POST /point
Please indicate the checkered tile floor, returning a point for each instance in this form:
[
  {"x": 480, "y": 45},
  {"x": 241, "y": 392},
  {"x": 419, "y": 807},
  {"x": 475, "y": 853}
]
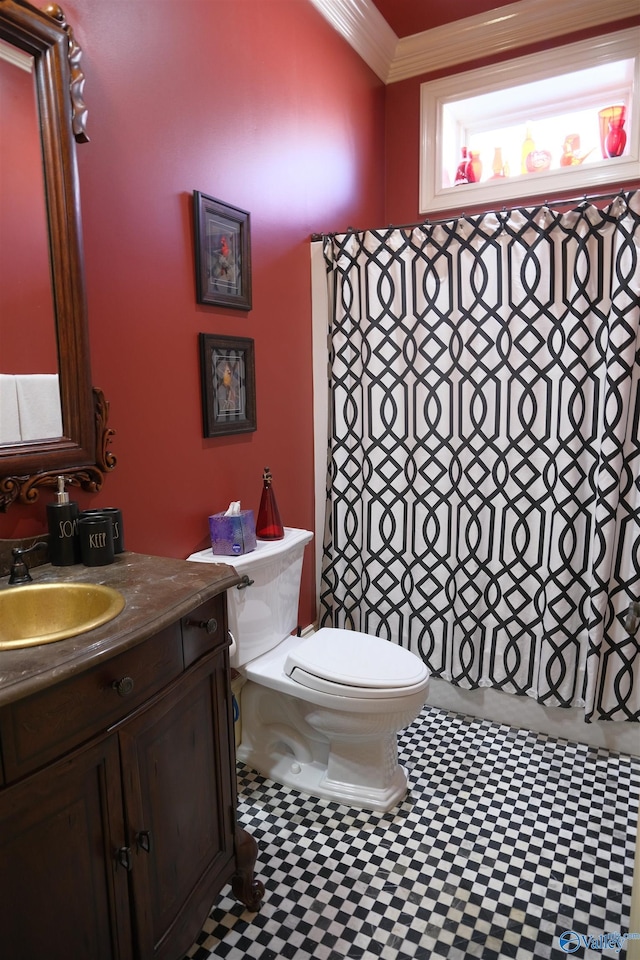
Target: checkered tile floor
[{"x": 506, "y": 840}]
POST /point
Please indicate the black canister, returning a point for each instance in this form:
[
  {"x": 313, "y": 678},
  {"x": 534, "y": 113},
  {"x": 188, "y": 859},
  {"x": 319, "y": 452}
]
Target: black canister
[
  {"x": 116, "y": 518},
  {"x": 96, "y": 539}
]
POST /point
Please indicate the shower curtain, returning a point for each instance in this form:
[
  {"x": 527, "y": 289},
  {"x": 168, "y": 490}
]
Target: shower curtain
[{"x": 483, "y": 501}]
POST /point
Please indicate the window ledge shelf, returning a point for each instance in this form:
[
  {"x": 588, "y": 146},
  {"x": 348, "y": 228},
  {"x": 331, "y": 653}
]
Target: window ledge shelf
[{"x": 453, "y": 107}]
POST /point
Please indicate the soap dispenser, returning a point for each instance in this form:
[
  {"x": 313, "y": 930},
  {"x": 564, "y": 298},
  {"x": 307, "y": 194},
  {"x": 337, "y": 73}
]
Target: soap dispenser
[
  {"x": 269, "y": 525},
  {"x": 62, "y": 517}
]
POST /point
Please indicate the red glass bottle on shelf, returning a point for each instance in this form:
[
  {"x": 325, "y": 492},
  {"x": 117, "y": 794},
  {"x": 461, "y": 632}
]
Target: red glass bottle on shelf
[
  {"x": 613, "y": 136},
  {"x": 269, "y": 526},
  {"x": 617, "y": 137},
  {"x": 461, "y": 172}
]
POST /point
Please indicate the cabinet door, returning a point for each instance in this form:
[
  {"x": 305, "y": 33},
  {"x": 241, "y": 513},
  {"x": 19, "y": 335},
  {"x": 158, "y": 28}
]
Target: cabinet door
[
  {"x": 63, "y": 893},
  {"x": 178, "y": 806}
]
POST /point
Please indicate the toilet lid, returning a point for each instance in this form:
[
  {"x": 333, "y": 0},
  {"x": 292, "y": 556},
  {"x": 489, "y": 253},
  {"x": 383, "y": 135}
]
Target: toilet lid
[{"x": 347, "y": 663}]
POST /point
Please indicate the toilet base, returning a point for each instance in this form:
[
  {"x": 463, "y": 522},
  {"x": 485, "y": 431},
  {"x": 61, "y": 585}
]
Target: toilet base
[
  {"x": 344, "y": 756},
  {"x": 311, "y": 778}
]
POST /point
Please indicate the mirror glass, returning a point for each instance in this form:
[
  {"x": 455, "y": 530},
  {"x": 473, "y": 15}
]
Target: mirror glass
[
  {"x": 59, "y": 422},
  {"x": 28, "y": 364}
]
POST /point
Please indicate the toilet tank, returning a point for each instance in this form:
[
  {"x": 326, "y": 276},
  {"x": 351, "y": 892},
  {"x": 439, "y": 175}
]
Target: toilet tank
[{"x": 263, "y": 613}]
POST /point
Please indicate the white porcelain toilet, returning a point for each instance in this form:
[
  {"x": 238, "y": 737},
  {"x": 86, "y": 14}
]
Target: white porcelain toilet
[{"x": 320, "y": 714}]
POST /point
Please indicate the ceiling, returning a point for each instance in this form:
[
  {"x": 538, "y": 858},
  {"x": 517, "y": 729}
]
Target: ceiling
[{"x": 406, "y": 17}]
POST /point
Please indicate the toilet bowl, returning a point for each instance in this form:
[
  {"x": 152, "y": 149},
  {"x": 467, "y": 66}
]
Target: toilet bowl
[{"x": 320, "y": 714}]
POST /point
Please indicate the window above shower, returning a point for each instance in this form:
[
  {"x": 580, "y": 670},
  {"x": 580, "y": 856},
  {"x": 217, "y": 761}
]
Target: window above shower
[{"x": 565, "y": 120}]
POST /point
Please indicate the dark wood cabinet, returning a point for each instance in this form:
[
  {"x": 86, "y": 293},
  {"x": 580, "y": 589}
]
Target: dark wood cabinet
[
  {"x": 62, "y": 891},
  {"x": 49, "y": 724},
  {"x": 117, "y": 850},
  {"x": 179, "y": 808}
]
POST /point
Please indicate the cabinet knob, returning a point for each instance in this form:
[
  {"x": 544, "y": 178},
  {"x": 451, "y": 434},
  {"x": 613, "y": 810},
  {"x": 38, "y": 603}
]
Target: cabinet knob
[
  {"x": 211, "y": 625},
  {"x": 123, "y": 857},
  {"x": 124, "y": 686},
  {"x": 143, "y": 840},
  {"x": 245, "y": 582}
]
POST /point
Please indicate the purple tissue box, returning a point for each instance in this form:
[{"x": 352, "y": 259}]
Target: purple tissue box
[{"x": 232, "y": 536}]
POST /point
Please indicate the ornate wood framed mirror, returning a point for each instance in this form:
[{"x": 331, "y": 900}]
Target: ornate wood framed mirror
[{"x": 45, "y": 41}]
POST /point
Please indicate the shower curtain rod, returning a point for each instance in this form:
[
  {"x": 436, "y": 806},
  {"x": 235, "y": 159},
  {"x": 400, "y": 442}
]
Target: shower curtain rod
[{"x": 583, "y": 198}]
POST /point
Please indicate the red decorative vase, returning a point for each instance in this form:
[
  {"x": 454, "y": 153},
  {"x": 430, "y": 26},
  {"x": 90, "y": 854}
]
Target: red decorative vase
[
  {"x": 616, "y": 138},
  {"x": 461, "y": 172},
  {"x": 268, "y": 526}
]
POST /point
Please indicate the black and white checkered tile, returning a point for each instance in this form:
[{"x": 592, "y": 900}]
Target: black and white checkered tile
[{"x": 506, "y": 840}]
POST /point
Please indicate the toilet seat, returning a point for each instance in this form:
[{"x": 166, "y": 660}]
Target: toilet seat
[{"x": 356, "y": 665}]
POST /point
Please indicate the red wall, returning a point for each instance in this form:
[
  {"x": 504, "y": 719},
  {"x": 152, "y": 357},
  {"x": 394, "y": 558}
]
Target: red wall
[{"x": 261, "y": 104}]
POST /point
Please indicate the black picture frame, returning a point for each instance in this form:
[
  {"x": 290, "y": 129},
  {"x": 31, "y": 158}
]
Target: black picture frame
[
  {"x": 227, "y": 367},
  {"x": 223, "y": 253}
]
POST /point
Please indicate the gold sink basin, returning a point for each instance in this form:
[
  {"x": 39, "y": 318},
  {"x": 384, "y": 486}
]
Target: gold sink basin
[{"x": 45, "y": 612}]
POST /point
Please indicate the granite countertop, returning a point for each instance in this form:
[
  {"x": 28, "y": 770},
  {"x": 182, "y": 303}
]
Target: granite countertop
[{"x": 157, "y": 590}]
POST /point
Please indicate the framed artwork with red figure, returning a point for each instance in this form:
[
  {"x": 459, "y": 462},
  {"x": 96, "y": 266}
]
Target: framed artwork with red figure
[
  {"x": 223, "y": 253},
  {"x": 227, "y": 369}
]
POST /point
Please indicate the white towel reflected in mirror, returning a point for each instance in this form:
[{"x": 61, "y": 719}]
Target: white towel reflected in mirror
[{"x": 39, "y": 406}]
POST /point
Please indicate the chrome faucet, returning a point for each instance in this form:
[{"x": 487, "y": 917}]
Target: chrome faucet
[{"x": 19, "y": 570}]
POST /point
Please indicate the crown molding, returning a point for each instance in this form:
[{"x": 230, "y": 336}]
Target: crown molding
[
  {"x": 363, "y": 26},
  {"x": 500, "y": 30}
]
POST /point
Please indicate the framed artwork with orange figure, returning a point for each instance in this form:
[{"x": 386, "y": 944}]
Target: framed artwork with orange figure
[
  {"x": 227, "y": 369},
  {"x": 223, "y": 253}
]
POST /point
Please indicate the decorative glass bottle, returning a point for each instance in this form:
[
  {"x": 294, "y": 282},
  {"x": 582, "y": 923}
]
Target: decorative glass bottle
[
  {"x": 617, "y": 137},
  {"x": 528, "y": 146},
  {"x": 461, "y": 172},
  {"x": 474, "y": 167},
  {"x": 269, "y": 526},
  {"x": 613, "y": 136},
  {"x": 498, "y": 164}
]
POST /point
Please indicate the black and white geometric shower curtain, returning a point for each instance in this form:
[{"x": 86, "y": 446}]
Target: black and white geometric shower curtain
[{"x": 483, "y": 495}]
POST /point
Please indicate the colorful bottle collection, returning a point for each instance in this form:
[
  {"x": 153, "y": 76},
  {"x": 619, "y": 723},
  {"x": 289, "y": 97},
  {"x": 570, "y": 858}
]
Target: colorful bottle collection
[{"x": 613, "y": 140}]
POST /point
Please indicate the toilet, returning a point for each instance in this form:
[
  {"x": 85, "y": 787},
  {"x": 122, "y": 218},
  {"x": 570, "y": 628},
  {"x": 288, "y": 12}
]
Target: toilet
[{"x": 320, "y": 714}]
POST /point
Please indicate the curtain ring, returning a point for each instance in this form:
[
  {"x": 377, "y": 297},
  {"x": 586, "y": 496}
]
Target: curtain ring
[{"x": 619, "y": 204}]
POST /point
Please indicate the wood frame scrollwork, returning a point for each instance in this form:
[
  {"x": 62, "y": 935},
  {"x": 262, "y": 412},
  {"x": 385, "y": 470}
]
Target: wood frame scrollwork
[{"x": 25, "y": 489}]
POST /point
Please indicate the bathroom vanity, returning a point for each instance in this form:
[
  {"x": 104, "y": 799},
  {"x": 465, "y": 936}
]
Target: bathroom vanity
[{"x": 117, "y": 784}]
